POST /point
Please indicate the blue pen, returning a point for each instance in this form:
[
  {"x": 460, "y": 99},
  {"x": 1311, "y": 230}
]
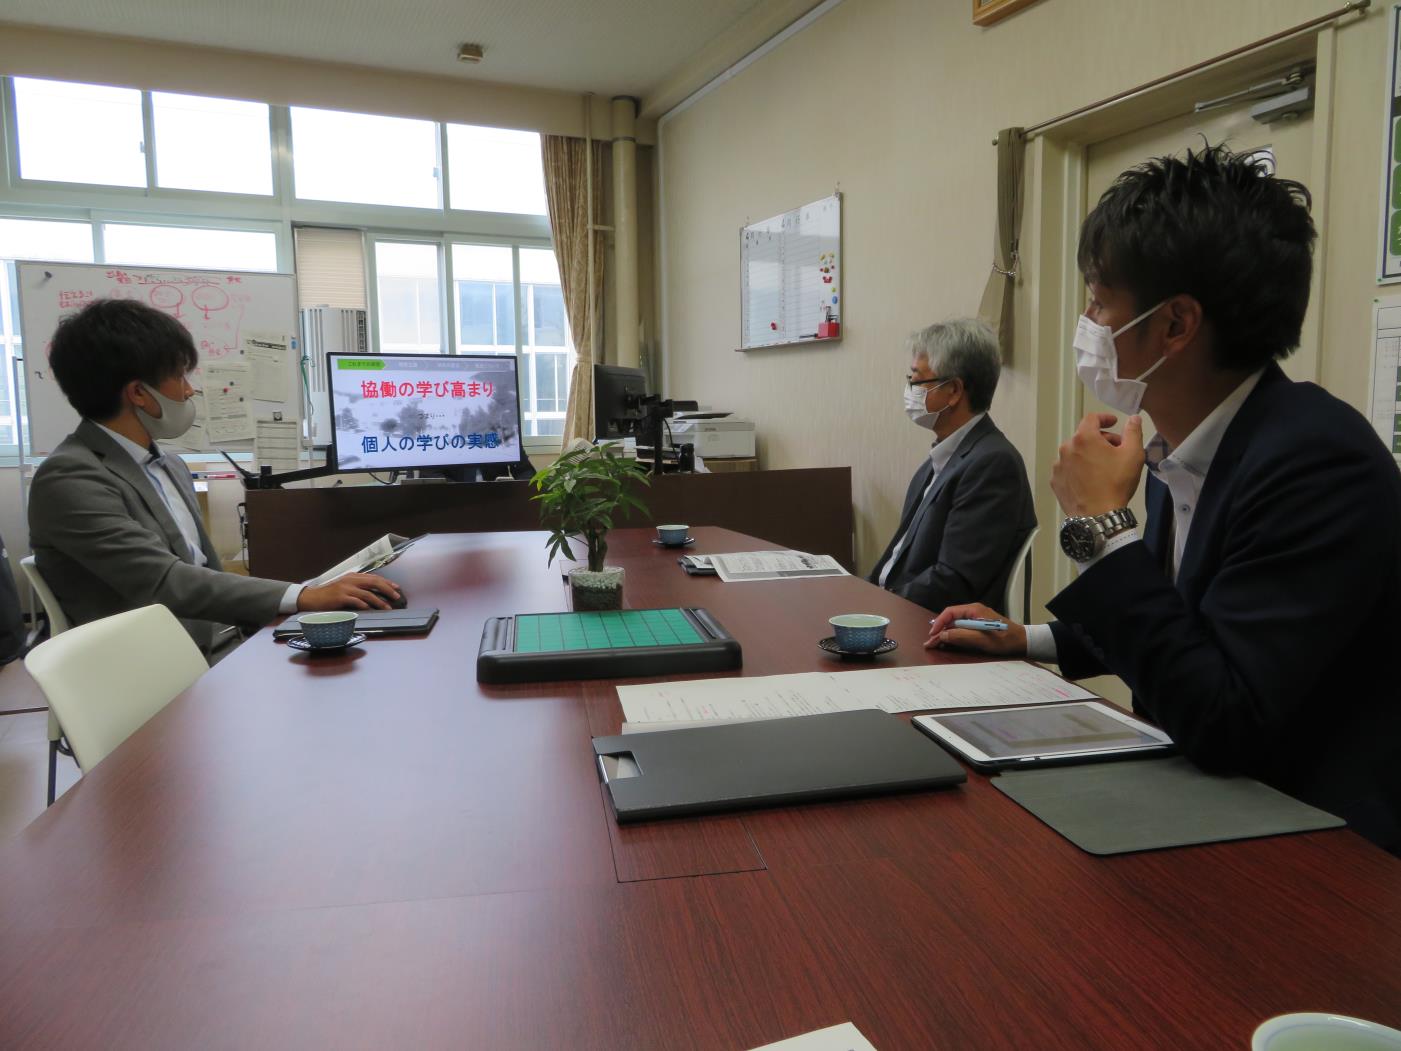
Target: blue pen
[{"x": 981, "y": 625}]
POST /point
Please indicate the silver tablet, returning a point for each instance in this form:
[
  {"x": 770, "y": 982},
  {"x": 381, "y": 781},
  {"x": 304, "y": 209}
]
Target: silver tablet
[{"x": 995, "y": 738}]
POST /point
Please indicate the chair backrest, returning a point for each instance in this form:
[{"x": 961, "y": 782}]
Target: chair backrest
[
  {"x": 104, "y": 679},
  {"x": 58, "y": 620},
  {"x": 1016, "y": 604}
]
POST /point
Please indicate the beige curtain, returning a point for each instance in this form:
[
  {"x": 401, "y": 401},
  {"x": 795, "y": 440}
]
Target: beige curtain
[
  {"x": 567, "y": 191},
  {"x": 997, "y": 304}
]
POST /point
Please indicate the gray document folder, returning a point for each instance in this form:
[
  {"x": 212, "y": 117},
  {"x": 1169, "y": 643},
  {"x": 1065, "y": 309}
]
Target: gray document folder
[
  {"x": 1116, "y": 808},
  {"x": 766, "y": 762}
]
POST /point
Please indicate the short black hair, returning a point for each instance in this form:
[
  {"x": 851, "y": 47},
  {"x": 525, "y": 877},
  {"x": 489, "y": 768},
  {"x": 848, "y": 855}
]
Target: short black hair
[
  {"x": 110, "y": 342},
  {"x": 1219, "y": 227}
]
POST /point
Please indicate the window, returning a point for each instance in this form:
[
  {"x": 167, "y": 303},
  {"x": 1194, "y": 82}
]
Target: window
[
  {"x": 486, "y": 298},
  {"x": 28, "y": 239},
  {"x": 409, "y": 311},
  {"x": 550, "y": 352},
  {"x": 186, "y": 246},
  {"x": 356, "y": 158},
  {"x": 372, "y": 208},
  {"x": 219, "y": 145},
  {"x": 79, "y": 133},
  {"x": 495, "y": 170}
]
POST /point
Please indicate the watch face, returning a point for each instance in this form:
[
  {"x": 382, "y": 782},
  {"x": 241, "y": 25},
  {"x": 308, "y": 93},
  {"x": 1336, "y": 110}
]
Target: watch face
[{"x": 1077, "y": 539}]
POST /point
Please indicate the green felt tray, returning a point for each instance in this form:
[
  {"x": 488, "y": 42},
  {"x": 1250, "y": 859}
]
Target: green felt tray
[{"x": 614, "y": 629}]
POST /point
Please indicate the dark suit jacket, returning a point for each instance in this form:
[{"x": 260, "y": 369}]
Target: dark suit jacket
[
  {"x": 965, "y": 533},
  {"x": 105, "y": 543},
  {"x": 1271, "y": 656}
]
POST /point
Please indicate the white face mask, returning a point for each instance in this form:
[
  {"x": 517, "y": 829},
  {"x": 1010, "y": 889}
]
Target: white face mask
[
  {"x": 1097, "y": 364},
  {"x": 175, "y": 419},
  {"x": 915, "y": 398}
]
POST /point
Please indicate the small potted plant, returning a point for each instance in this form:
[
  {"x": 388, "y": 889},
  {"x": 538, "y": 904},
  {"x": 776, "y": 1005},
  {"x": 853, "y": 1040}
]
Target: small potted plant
[{"x": 579, "y": 494}]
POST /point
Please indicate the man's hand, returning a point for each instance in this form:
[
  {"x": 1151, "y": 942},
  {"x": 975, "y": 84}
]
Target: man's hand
[
  {"x": 352, "y": 591},
  {"x": 1098, "y": 471},
  {"x": 1009, "y": 643}
]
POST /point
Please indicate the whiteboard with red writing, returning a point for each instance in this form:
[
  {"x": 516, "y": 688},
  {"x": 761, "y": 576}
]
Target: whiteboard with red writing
[{"x": 243, "y": 325}]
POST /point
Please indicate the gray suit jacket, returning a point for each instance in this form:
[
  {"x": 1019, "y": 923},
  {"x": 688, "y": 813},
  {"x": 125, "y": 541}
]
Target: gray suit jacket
[
  {"x": 105, "y": 543},
  {"x": 965, "y": 533}
]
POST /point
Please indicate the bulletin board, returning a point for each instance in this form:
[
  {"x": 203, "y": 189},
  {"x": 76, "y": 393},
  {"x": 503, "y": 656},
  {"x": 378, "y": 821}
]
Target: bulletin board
[
  {"x": 791, "y": 275},
  {"x": 243, "y": 325}
]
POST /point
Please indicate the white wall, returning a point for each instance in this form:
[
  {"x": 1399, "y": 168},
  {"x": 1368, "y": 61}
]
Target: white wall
[{"x": 896, "y": 102}]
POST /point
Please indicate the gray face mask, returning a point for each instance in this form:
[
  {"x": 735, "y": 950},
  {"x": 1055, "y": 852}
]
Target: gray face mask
[{"x": 175, "y": 419}]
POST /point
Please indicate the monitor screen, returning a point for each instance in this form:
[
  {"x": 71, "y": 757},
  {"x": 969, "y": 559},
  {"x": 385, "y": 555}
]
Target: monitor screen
[
  {"x": 617, "y": 394},
  {"x": 406, "y": 411}
]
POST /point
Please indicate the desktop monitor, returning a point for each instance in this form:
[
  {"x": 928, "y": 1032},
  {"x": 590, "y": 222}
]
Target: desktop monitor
[
  {"x": 408, "y": 411},
  {"x": 617, "y": 398}
]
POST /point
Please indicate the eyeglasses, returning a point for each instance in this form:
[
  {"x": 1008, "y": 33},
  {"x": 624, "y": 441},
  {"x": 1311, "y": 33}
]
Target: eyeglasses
[{"x": 912, "y": 383}]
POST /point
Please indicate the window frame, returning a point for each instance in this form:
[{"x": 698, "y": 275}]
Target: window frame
[{"x": 279, "y": 213}]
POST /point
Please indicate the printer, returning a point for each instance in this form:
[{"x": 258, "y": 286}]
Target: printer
[{"x": 714, "y": 434}]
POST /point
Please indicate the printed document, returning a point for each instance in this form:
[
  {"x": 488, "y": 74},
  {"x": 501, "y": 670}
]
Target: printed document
[
  {"x": 267, "y": 353},
  {"x": 844, "y": 1037},
  {"x": 774, "y": 565},
  {"x": 368, "y": 559},
  {"x": 932, "y": 687},
  {"x": 276, "y": 445},
  {"x": 228, "y": 402}
]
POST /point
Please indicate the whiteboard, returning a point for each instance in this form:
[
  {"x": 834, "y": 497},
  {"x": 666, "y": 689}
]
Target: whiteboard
[
  {"x": 790, "y": 274},
  {"x": 233, "y": 316}
]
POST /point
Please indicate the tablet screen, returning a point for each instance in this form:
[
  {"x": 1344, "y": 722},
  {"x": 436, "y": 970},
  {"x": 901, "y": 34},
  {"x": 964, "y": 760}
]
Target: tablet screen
[{"x": 1013, "y": 733}]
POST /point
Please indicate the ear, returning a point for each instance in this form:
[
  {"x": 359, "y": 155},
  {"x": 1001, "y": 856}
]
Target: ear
[{"x": 1182, "y": 324}]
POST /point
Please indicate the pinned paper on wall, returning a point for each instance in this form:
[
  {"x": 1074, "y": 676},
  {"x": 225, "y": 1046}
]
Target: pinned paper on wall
[
  {"x": 228, "y": 402},
  {"x": 266, "y": 353},
  {"x": 275, "y": 445},
  {"x": 1385, "y": 403}
]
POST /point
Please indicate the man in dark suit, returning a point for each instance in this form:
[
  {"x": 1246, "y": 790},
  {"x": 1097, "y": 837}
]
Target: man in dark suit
[
  {"x": 968, "y": 509},
  {"x": 112, "y": 518},
  {"x": 1255, "y": 618}
]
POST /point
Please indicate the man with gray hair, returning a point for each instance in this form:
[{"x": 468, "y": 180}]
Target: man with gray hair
[{"x": 968, "y": 509}]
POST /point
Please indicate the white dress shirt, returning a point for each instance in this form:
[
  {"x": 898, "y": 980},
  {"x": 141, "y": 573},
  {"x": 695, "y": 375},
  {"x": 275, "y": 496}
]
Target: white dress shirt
[
  {"x": 939, "y": 457},
  {"x": 152, "y": 462},
  {"x": 1183, "y": 470}
]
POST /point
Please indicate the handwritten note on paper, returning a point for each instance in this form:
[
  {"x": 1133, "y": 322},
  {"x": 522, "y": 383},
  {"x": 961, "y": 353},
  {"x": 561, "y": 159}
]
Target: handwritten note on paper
[
  {"x": 228, "y": 402},
  {"x": 844, "y": 1037},
  {"x": 267, "y": 353},
  {"x": 935, "y": 687}
]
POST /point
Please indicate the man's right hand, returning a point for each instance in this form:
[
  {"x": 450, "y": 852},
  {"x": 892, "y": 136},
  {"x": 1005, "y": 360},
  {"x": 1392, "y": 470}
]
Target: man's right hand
[
  {"x": 352, "y": 591},
  {"x": 1008, "y": 643}
]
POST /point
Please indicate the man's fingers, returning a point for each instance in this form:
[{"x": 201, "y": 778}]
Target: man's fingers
[{"x": 963, "y": 639}]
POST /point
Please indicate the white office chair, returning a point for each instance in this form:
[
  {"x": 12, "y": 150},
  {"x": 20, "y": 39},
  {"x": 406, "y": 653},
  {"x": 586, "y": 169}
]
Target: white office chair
[
  {"x": 1019, "y": 584},
  {"x": 104, "y": 679},
  {"x": 58, "y": 623}
]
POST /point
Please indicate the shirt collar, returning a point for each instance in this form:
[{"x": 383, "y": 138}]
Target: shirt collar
[
  {"x": 944, "y": 448},
  {"x": 140, "y": 454},
  {"x": 1198, "y": 449}
]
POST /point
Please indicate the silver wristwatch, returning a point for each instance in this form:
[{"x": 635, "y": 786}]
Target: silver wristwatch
[{"x": 1083, "y": 538}]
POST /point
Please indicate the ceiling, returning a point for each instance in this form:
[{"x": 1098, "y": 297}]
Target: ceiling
[{"x": 611, "y": 47}]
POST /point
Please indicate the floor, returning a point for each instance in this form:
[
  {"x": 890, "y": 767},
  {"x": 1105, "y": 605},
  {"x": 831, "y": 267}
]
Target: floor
[{"x": 24, "y": 752}]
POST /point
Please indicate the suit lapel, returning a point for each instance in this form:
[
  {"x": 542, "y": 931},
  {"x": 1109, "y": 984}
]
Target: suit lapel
[
  {"x": 970, "y": 440},
  {"x": 1218, "y": 477},
  {"x": 119, "y": 462}
]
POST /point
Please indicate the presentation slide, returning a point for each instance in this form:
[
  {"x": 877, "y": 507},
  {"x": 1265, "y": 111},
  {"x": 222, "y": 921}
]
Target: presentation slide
[{"x": 404, "y": 411}]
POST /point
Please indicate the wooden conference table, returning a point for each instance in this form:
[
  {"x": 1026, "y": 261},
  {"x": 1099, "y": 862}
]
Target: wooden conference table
[{"x": 374, "y": 851}]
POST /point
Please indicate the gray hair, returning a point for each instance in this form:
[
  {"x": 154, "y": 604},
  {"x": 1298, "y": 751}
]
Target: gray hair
[{"x": 961, "y": 348}]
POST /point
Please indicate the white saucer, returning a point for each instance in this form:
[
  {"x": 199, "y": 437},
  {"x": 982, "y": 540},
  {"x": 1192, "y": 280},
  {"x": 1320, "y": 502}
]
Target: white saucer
[{"x": 1323, "y": 1032}]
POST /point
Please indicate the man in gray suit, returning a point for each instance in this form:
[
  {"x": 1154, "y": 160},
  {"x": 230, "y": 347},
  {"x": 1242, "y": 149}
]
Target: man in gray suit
[
  {"x": 113, "y": 520},
  {"x": 968, "y": 509}
]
